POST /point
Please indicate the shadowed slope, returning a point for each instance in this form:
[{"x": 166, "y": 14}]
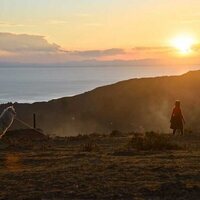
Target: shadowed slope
[{"x": 134, "y": 104}]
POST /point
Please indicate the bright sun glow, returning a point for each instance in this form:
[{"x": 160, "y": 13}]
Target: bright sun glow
[{"x": 183, "y": 44}]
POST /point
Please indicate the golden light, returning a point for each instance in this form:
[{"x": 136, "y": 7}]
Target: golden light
[{"x": 183, "y": 43}]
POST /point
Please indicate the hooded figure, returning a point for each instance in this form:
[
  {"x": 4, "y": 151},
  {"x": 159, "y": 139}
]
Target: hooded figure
[{"x": 6, "y": 119}]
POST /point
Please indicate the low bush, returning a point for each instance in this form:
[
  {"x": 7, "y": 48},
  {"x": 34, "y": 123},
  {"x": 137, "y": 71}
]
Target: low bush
[
  {"x": 152, "y": 141},
  {"x": 90, "y": 146},
  {"x": 116, "y": 133}
]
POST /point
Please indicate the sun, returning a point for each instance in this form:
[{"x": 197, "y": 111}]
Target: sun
[{"x": 183, "y": 43}]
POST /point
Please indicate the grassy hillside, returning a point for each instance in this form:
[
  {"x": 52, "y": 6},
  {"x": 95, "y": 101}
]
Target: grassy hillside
[
  {"x": 102, "y": 167},
  {"x": 136, "y": 104}
]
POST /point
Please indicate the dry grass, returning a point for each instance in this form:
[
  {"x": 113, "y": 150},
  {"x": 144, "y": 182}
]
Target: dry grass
[
  {"x": 154, "y": 142},
  {"x": 63, "y": 171},
  {"x": 90, "y": 146}
]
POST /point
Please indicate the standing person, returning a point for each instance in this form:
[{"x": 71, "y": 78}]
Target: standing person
[{"x": 177, "y": 118}]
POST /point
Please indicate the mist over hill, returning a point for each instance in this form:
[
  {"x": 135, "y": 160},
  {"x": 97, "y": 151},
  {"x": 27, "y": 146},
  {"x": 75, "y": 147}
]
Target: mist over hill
[{"x": 142, "y": 104}]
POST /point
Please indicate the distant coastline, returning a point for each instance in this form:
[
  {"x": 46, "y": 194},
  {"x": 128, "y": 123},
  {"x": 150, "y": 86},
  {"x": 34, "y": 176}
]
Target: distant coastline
[{"x": 36, "y": 84}]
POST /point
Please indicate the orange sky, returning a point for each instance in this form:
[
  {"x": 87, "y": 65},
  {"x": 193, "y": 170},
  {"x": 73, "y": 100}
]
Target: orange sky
[{"x": 97, "y": 29}]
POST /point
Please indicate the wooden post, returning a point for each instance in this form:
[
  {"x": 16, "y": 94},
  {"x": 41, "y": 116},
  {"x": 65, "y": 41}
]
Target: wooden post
[{"x": 34, "y": 120}]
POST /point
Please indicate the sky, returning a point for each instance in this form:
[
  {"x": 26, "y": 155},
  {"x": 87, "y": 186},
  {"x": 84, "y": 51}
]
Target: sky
[{"x": 61, "y": 31}]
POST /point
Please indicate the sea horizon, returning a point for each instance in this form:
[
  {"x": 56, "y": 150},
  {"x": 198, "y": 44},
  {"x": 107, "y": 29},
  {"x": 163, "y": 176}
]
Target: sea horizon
[{"x": 29, "y": 85}]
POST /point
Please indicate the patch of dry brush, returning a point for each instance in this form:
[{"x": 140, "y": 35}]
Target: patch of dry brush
[{"x": 153, "y": 141}]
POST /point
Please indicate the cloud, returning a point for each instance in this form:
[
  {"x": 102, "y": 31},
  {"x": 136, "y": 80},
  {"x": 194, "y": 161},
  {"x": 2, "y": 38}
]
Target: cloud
[
  {"x": 36, "y": 49},
  {"x": 6, "y": 24},
  {"x": 190, "y": 21},
  {"x": 31, "y": 48},
  {"x": 19, "y": 43},
  {"x": 196, "y": 47},
  {"x": 94, "y": 24},
  {"x": 57, "y": 22},
  {"x": 82, "y": 15},
  {"x": 24, "y": 43},
  {"x": 153, "y": 48},
  {"x": 99, "y": 53}
]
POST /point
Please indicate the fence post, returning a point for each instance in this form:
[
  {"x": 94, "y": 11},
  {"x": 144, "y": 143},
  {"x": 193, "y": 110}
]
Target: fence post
[{"x": 34, "y": 120}]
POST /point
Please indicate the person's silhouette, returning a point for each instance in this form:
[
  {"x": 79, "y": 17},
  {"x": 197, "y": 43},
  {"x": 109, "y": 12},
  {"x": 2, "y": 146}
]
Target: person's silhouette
[{"x": 177, "y": 118}]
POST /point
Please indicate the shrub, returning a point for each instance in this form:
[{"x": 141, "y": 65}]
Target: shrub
[
  {"x": 152, "y": 141},
  {"x": 78, "y": 138},
  {"x": 116, "y": 133},
  {"x": 89, "y": 147},
  {"x": 95, "y": 134}
]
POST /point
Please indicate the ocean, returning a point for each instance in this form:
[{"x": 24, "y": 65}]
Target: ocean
[{"x": 28, "y": 85}]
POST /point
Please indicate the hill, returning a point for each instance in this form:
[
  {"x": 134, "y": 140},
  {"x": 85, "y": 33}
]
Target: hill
[{"x": 136, "y": 104}]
